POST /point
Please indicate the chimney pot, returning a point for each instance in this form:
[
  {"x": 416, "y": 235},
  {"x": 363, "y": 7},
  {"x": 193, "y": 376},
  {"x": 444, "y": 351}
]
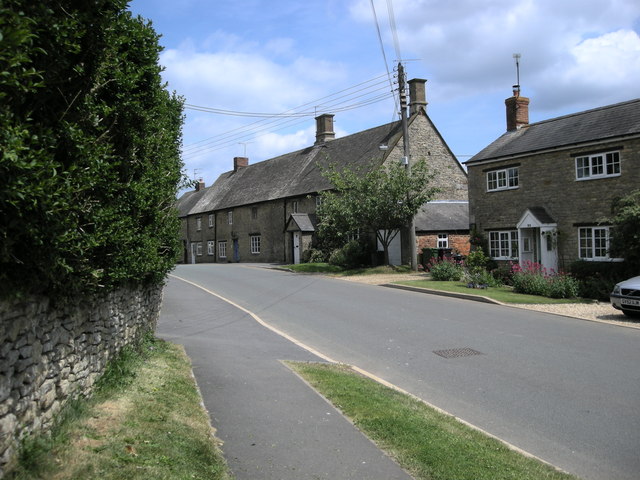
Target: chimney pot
[
  {"x": 417, "y": 95},
  {"x": 324, "y": 128},
  {"x": 240, "y": 162},
  {"x": 517, "y": 110},
  {"x": 199, "y": 185}
]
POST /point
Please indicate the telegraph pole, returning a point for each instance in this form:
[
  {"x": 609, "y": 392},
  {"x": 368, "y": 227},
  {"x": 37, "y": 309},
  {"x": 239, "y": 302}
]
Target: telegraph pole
[{"x": 406, "y": 159}]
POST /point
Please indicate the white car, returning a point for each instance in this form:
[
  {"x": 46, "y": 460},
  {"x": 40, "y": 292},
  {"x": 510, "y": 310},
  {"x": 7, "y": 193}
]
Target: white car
[{"x": 626, "y": 297}]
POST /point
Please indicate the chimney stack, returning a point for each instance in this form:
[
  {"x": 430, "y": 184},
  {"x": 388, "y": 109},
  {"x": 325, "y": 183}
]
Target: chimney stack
[
  {"x": 517, "y": 110},
  {"x": 417, "y": 95},
  {"x": 199, "y": 185},
  {"x": 240, "y": 162},
  {"x": 324, "y": 129}
]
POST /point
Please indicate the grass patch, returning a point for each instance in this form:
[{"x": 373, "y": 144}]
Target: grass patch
[
  {"x": 339, "y": 271},
  {"x": 428, "y": 444},
  {"x": 145, "y": 421},
  {"x": 502, "y": 294},
  {"x": 313, "y": 268}
]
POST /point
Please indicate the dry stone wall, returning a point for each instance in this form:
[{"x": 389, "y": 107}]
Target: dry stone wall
[{"x": 50, "y": 354}]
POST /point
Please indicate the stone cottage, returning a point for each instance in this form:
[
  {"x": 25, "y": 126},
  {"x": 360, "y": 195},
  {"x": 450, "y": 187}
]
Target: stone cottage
[
  {"x": 265, "y": 212},
  {"x": 543, "y": 192}
]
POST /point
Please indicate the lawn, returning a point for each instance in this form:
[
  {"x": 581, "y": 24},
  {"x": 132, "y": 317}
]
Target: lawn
[
  {"x": 501, "y": 294},
  {"x": 430, "y": 445},
  {"x": 145, "y": 422}
]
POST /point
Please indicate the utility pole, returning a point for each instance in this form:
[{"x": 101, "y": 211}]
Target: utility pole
[{"x": 406, "y": 159}]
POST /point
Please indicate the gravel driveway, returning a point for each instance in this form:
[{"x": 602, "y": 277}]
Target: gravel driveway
[{"x": 598, "y": 311}]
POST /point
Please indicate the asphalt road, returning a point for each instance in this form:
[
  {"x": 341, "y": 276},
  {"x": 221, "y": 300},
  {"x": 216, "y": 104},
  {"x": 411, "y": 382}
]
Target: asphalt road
[{"x": 565, "y": 390}]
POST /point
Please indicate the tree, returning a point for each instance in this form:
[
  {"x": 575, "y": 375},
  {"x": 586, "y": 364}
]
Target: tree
[
  {"x": 625, "y": 239},
  {"x": 90, "y": 138},
  {"x": 381, "y": 200}
]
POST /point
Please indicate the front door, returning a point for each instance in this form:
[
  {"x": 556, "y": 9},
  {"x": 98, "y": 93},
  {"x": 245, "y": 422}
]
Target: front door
[
  {"x": 193, "y": 252},
  {"x": 236, "y": 250},
  {"x": 296, "y": 247},
  {"x": 529, "y": 246}
]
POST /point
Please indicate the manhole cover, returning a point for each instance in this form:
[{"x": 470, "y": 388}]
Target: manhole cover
[{"x": 457, "y": 352}]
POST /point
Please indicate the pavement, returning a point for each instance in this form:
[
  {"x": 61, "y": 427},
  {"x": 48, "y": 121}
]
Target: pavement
[{"x": 272, "y": 424}]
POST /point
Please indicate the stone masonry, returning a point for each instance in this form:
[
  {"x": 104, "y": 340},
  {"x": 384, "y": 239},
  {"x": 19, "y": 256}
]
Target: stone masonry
[{"x": 50, "y": 354}]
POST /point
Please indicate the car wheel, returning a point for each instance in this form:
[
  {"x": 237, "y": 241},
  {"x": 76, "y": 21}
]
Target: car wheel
[{"x": 631, "y": 313}]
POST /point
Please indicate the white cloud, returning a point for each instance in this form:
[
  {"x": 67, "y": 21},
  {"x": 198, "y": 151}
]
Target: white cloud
[{"x": 570, "y": 48}]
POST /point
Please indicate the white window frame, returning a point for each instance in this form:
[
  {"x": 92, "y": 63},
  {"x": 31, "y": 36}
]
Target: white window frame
[
  {"x": 598, "y": 165},
  {"x": 255, "y": 244},
  {"x": 503, "y": 244},
  {"x": 443, "y": 240},
  {"x": 211, "y": 220},
  {"x": 222, "y": 249},
  {"x": 503, "y": 179},
  {"x": 211, "y": 247},
  {"x": 230, "y": 217},
  {"x": 294, "y": 206},
  {"x": 198, "y": 223},
  {"x": 254, "y": 213},
  {"x": 199, "y": 249},
  {"x": 593, "y": 243}
]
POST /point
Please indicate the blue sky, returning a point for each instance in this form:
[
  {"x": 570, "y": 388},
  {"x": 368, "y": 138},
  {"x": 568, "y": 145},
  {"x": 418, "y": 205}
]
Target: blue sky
[{"x": 277, "y": 55}]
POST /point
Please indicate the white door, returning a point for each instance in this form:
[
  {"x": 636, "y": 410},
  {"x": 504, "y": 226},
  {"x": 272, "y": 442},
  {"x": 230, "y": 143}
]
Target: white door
[
  {"x": 296, "y": 247},
  {"x": 193, "y": 252}
]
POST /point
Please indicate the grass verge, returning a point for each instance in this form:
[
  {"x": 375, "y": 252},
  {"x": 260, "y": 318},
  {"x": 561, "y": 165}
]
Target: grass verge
[
  {"x": 428, "y": 444},
  {"x": 145, "y": 421},
  {"x": 341, "y": 272},
  {"x": 502, "y": 294}
]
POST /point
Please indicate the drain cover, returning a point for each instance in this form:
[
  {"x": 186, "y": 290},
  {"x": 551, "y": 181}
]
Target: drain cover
[{"x": 457, "y": 352}]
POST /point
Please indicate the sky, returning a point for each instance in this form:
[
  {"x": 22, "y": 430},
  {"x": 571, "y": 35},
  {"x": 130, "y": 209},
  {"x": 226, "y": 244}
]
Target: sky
[{"x": 292, "y": 60}]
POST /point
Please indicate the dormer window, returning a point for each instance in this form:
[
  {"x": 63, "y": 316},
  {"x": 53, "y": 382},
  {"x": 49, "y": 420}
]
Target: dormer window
[
  {"x": 600, "y": 165},
  {"x": 503, "y": 179}
]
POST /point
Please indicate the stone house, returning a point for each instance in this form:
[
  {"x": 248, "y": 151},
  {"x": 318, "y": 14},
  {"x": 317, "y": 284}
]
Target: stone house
[
  {"x": 543, "y": 192},
  {"x": 265, "y": 212}
]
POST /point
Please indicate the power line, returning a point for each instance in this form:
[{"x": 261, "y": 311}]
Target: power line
[
  {"x": 384, "y": 55},
  {"x": 394, "y": 29},
  {"x": 360, "y": 95}
]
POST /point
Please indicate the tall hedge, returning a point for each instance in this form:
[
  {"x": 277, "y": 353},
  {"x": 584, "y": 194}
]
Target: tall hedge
[{"x": 90, "y": 143}]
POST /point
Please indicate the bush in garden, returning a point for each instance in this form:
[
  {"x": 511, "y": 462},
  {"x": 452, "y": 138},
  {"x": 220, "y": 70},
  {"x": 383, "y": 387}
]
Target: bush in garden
[
  {"x": 503, "y": 274},
  {"x": 353, "y": 254},
  {"x": 445, "y": 270},
  {"x": 534, "y": 279},
  {"x": 313, "y": 255}
]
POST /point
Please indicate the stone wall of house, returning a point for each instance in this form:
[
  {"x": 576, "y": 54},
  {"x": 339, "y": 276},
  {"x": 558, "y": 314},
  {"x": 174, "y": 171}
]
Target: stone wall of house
[
  {"x": 52, "y": 353},
  {"x": 548, "y": 180},
  {"x": 426, "y": 143}
]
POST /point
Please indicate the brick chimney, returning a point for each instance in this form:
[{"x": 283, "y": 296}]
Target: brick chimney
[
  {"x": 324, "y": 129},
  {"x": 240, "y": 162},
  {"x": 199, "y": 185},
  {"x": 517, "y": 110},
  {"x": 417, "y": 95}
]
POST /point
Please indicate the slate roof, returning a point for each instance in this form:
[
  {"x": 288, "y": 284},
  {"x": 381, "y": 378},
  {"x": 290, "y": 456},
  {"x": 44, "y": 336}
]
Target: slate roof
[
  {"x": 305, "y": 222},
  {"x": 613, "y": 121},
  {"x": 293, "y": 174},
  {"x": 443, "y": 215},
  {"x": 541, "y": 214}
]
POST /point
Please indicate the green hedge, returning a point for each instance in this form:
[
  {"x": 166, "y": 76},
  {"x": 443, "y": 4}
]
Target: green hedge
[{"x": 90, "y": 140}]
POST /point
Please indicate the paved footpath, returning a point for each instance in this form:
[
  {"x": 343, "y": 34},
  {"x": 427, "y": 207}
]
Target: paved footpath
[{"x": 273, "y": 425}]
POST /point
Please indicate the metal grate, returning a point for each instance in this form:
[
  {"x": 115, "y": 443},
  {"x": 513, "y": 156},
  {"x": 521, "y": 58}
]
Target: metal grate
[{"x": 457, "y": 352}]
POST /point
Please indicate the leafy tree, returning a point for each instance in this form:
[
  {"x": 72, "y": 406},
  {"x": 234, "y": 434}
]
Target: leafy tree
[
  {"x": 381, "y": 200},
  {"x": 90, "y": 138},
  {"x": 625, "y": 241}
]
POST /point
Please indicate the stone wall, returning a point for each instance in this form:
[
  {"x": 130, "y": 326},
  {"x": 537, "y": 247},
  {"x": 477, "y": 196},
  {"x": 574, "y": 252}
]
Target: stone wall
[{"x": 50, "y": 354}]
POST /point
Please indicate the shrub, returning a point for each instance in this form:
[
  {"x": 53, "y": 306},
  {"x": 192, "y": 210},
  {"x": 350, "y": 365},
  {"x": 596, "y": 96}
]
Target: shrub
[
  {"x": 353, "y": 254},
  {"x": 534, "y": 279},
  {"x": 445, "y": 270},
  {"x": 596, "y": 279},
  {"x": 482, "y": 277},
  {"x": 313, "y": 255},
  {"x": 90, "y": 142},
  {"x": 503, "y": 274}
]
